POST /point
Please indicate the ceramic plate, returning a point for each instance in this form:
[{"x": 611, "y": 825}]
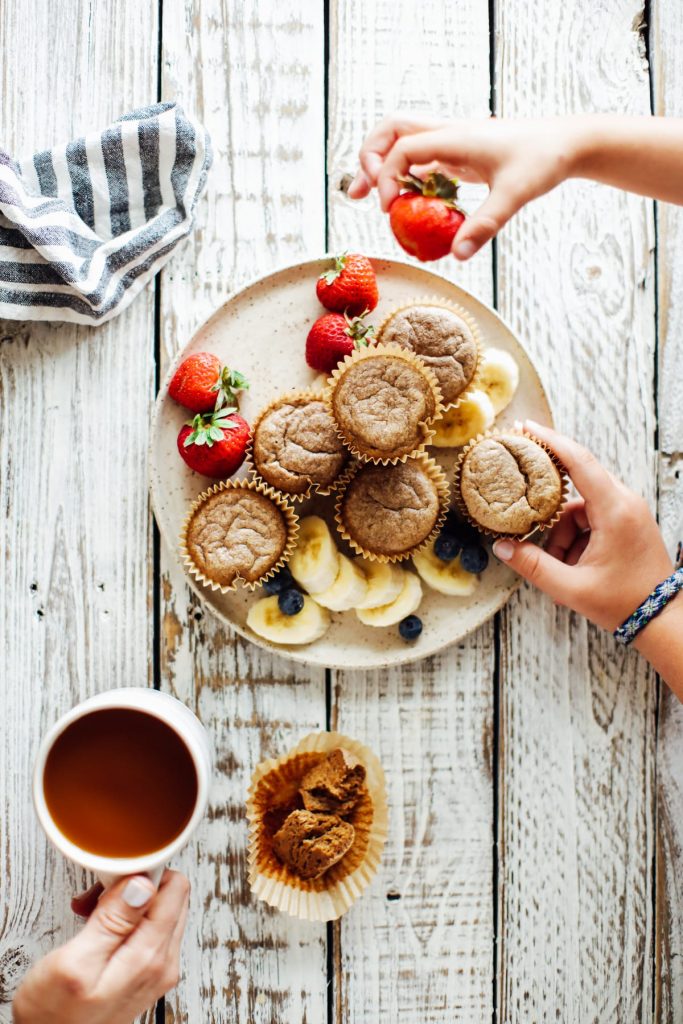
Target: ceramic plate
[{"x": 261, "y": 330}]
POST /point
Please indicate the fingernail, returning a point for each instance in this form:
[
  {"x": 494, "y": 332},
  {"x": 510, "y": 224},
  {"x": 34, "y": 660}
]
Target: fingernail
[
  {"x": 504, "y": 550},
  {"x": 354, "y": 183},
  {"x": 463, "y": 250},
  {"x": 532, "y": 425},
  {"x": 137, "y": 892}
]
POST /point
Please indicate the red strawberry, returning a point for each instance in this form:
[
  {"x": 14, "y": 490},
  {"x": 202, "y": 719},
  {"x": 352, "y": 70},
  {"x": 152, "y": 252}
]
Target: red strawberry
[
  {"x": 334, "y": 336},
  {"x": 215, "y": 444},
  {"x": 425, "y": 218},
  {"x": 349, "y": 286},
  {"x": 201, "y": 384}
]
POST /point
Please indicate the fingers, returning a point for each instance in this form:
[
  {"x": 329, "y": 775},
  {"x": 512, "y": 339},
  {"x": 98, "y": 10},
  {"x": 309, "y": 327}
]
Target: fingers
[
  {"x": 383, "y": 136},
  {"x": 590, "y": 478},
  {"x": 496, "y": 210},
  {"x": 534, "y": 564},
  {"x": 421, "y": 148},
  {"x": 85, "y": 902},
  {"x": 359, "y": 187},
  {"x": 573, "y": 522},
  {"x": 114, "y": 919}
]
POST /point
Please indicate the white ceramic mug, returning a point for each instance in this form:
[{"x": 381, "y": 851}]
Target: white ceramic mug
[{"x": 173, "y": 714}]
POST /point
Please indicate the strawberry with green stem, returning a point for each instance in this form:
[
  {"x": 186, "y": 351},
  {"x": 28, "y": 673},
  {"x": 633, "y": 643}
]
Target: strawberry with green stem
[
  {"x": 202, "y": 384},
  {"x": 349, "y": 285},
  {"x": 334, "y": 336},
  {"x": 215, "y": 443},
  {"x": 425, "y": 217}
]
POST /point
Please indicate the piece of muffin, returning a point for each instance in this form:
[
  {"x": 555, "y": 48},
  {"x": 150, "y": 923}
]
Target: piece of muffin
[
  {"x": 310, "y": 844},
  {"x": 334, "y": 785}
]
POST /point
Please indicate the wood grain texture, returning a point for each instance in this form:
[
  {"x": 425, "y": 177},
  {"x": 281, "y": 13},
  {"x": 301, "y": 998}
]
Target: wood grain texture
[
  {"x": 75, "y": 581},
  {"x": 253, "y": 74},
  {"x": 419, "y": 945},
  {"x": 666, "y": 46},
  {"x": 577, "y": 715}
]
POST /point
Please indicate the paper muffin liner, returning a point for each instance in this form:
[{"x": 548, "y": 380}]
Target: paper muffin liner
[
  {"x": 539, "y": 527},
  {"x": 273, "y": 793},
  {"x": 464, "y": 314},
  {"x": 435, "y": 473},
  {"x": 291, "y": 521},
  {"x": 307, "y": 394},
  {"x": 407, "y": 356}
]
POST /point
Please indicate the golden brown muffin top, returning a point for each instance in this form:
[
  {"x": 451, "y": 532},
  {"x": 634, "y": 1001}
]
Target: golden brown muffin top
[
  {"x": 509, "y": 484},
  {"x": 296, "y": 445}
]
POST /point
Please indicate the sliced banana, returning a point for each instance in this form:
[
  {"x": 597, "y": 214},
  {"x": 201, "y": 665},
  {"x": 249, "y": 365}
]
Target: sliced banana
[
  {"x": 266, "y": 620},
  {"x": 315, "y": 560},
  {"x": 407, "y": 602},
  {"x": 457, "y": 426},
  {"x": 446, "y": 577},
  {"x": 347, "y": 591},
  {"x": 499, "y": 377},
  {"x": 384, "y": 581}
]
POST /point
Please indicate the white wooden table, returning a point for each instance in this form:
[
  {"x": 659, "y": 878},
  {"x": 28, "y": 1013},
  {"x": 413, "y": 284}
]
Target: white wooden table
[{"x": 535, "y": 772}]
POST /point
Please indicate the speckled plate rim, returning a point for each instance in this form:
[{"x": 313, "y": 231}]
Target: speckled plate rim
[{"x": 298, "y": 654}]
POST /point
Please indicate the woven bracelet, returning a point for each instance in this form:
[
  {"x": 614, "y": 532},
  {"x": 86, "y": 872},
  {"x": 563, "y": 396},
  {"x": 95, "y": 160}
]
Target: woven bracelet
[{"x": 651, "y": 607}]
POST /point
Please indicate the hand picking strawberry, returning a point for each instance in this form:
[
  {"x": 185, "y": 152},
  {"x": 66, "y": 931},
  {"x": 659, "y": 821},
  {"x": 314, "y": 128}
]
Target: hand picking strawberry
[
  {"x": 201, "y": 384},
  {"x": 334, "y": 336},
  {"x": 349, "y": 286},
  {"x": 425, "y": 217}
]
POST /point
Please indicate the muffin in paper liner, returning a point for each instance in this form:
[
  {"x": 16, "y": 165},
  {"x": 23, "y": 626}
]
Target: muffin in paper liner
[
  {"x": 539, "y": 527},
  {"x": 425, "y": 429},
  {"x": 291, "y": 525},
  {"x": 311, "y": 394},
  {"x": 273, "y": 793},
  {"x": 464, "y": 314},
  {"x": 434, "y": 471}
]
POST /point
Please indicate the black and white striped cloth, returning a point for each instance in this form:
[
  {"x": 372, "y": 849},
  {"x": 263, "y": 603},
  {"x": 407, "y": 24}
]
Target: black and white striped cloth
[{"x": 84, "y": 226}]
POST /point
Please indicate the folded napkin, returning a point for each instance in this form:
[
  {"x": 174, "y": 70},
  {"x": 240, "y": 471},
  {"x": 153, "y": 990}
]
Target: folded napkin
[{"x": 83, "y": 227}]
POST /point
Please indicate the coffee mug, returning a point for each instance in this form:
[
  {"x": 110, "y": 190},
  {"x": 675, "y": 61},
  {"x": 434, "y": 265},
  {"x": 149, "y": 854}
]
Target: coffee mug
[{"x": 188, "y": 729}]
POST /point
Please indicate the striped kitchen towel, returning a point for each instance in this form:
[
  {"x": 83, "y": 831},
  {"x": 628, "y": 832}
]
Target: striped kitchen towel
[{"x": 83, "y": 227}]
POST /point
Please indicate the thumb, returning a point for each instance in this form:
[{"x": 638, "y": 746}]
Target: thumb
[
  {"x": 116, "y": 916},
  {"x": 549, "y": 574},
  {"x": 496, "y": 210}
]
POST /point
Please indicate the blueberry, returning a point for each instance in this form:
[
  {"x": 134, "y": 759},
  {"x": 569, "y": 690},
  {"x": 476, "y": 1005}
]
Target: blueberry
[
  {"x": 410, "y": 627},
  {"x": 276, "y": 584},
  {"x": 474, "y": 558},
  {"x": 455, "y": 527},
  {"x": 446, "y": 547},
  {"x": 290, "y": 602}
]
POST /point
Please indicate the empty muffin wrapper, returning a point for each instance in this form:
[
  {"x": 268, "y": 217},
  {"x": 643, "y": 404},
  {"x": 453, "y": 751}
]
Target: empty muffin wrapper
[{"x": 275, "y": 783}]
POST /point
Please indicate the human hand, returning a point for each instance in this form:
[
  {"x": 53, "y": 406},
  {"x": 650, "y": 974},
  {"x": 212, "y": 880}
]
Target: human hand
[
  {"x": 605, "y": 555},
  {"x": 123, "y": 960},
  {"x": 518, "y": 160}
]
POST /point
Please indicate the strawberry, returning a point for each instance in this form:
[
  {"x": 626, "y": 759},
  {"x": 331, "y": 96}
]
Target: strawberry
[
  {"x": 334, "y": 336},
  {"x": 215, "y": 443},
  {"x": 425, "y": 217},
  {"x": 349, "y": 286},
  {"x": 201, "y": 384}
]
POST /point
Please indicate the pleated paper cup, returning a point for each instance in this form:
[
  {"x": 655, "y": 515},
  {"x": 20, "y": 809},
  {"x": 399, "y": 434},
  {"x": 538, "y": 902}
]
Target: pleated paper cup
[
  {"x": 539, "y": 527},
  {"x": 273, "y": 794},
  {"x": 300, "y": 397},
  {"x": 291, "y": 525},
  {"x": 424, "y": 427},
  {"x": 460, "y": 311},
  {"x": 435, "y": 473}
]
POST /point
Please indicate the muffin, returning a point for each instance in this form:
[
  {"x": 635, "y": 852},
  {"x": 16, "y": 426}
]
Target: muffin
[
  {"x": 295, "y": 446},
  {"x": 317, "y": 826},
  {"x": 238, "y": 532},
  {"x": 508, "y": 484},
  {"x": 388, "y": 512},
  {"x": 383, "y": 401},
  {"x": 446, "y": 341}
]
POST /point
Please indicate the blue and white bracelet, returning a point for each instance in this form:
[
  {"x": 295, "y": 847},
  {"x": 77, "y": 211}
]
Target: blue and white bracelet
[{"x": 651, "y": 607}]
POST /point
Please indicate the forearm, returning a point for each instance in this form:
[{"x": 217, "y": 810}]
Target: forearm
[
  {"x": 639, "y": 154},
  {"x": 661, "y": 642}
]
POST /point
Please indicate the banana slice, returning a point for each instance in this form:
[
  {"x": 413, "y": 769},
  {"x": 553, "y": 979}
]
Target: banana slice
[
  {"x": 347, "y": 591},
  {"x": 315, "y": 560},
  {"x": 456, "y": 427},
  {"x": 406, "y": 603},
  {"x": 499, "y": 377},
  {"x": 384, "y": 580},
  {"x": 446, "y": 577},
  {"x": 266, "y": 620}
]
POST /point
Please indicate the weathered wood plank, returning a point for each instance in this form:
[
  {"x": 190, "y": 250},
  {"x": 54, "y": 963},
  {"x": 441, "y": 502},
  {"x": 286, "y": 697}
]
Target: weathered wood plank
[
  {"x": 577, "y": 715},
  {"x": 666, "y": 46},
  {"x": 419, "y": 945},
  {"x": 253, "y": 73},
  {"x": 75, "y": 581}
]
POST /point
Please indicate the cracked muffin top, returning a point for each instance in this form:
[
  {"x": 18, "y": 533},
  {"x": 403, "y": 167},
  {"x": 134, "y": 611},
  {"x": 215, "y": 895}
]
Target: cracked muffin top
[
  {"x": 383, "y": 405},
  {"x": 442, "y": 340},
  {"x": 296, "y": 445},
  {"x": 509, "y": 484},
  {"x": 236, "y": 533},
  {"x": 388, "y": 510}
]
